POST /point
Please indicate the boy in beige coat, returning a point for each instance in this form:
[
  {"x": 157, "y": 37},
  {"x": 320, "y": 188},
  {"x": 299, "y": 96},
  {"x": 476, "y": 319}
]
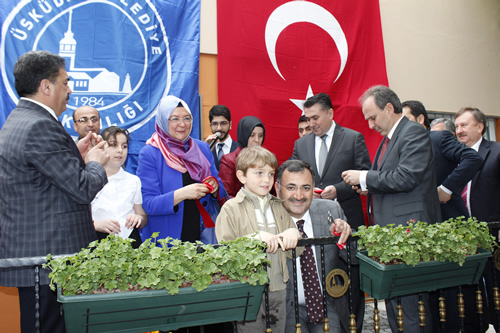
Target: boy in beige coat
[{"x": 256, "y": 213}]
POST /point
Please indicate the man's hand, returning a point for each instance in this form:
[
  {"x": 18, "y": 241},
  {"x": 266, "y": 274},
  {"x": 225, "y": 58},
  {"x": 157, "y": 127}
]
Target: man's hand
[
  {"x": 351, "y": 177},
  {"x": 211, "y": 138},
  {"x": 341, "y": 227},
  {"x": 97, "y": 154},
  {"x": 85, "y": 145},
  {"x": 289, "y": 239},
  {"x": 330, "y": 192},
  {"x": 359, "y": 191},
  {"x": 443, "y": 196}
]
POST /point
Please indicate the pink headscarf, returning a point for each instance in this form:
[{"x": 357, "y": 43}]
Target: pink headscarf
[{"x": 179, "y": 155}]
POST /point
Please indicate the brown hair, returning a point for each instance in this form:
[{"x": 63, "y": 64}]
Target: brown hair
[{"x": 255, "y": 157}]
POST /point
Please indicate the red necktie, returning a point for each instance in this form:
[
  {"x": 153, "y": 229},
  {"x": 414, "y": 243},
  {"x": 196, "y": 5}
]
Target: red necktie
[
  {"x": 464, "y": 196},
  {"x": 312, "y": 288},
  {"x": 382, "y": 152},
  {"x": 379, "y": 160}
]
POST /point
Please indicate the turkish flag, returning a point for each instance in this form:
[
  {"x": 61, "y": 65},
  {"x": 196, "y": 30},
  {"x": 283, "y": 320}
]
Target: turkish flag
[{"x": 272, "y": 53}]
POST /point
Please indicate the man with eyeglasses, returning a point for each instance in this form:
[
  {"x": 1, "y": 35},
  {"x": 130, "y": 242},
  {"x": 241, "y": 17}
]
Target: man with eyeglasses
[
  {"x": 86, "y": 119},
  {"x": 220, "y": 122}
]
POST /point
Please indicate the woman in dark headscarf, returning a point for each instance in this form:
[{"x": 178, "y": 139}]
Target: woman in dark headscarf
[
  {"x": 178, "y": 175},
  {"x": 251, "y": 133}
]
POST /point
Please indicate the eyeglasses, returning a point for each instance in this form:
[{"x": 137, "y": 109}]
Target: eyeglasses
[
  {"x": 221, "y": 124},
  {"x": 185, "y": 120},
  {"x": 84, "y": 120}
]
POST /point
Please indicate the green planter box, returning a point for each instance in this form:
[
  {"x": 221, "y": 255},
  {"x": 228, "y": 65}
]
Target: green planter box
[
  {"x": 142, "y": 311},
  {"x": 386, "y": 281}
]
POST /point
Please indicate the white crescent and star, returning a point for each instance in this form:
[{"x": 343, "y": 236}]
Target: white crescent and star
[{"x": 303, "y": 11}]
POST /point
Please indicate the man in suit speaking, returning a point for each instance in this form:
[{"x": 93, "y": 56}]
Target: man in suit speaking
[
  {"x": 46, "y": 186},
  {"x": 402, "y": 181}
]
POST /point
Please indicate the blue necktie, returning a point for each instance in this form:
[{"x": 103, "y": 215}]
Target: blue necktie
[{"x": 220, "y": 152}]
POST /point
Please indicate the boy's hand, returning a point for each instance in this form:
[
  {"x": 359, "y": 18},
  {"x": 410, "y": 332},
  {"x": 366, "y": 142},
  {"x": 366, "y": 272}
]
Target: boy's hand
[
  {"x": 272, "y": 241},
  {"x": 289, "y": 239}
]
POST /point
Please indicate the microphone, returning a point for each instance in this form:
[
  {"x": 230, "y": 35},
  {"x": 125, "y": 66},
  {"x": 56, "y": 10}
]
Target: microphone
[{"x": 212, "y": 144}]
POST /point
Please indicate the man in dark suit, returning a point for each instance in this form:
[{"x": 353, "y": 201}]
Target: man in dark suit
[
  {"x": 344, "y": 149},
  {"x": 329, "y": 150},
  {"x": 220, "y": 122},
  {"x": 401, "y": 183},
  {"x": 455, "y": 163},
  {"x": 480, "y": 193},
  {"x": 46, "y": 186},
  {"x": 295, "y": 186}
]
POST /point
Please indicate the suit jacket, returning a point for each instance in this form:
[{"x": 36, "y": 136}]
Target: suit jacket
[
  {"x": 404, "y": 186},
  {"x": 485, "y": 184},
  {"x": 347, "y": 152},
  {"x": 321, "y": 228},
  {"x": 228, "y": 172},
  {"x": 456, "y": 164},
  {"x": 46, "y": 191},
  {"x": 233, "y": 147}
]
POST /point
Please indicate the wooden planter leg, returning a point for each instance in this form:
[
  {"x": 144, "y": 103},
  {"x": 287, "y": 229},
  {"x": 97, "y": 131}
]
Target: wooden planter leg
[
  {"x": 376, "y": 317},
  {"x": 461, "y": 308},
  {"x": 479, "y": 305},
  {"x": 400, "y": 316},
  {"x": 496, "y": 302},
  {"x": 421, "y": 313},
  {"x": 442, "y": 310}
]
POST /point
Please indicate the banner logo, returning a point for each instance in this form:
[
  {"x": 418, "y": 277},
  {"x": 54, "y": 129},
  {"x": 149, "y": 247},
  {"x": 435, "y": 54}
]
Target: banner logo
[{"x": 117, "y": 54}]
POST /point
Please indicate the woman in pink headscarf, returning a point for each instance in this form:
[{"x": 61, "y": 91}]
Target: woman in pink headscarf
[{"x": 179, "y": 180}]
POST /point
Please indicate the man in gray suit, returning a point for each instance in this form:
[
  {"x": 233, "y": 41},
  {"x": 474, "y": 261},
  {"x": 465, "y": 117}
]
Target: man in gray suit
[
  {"x": 295, "y": 185},
  {"x": 402, "y": 181},
  {"x": 45, "y": 185}
]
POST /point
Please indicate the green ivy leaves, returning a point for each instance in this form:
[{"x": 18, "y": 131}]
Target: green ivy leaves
[
  {"x": 451, "y": 240},
  {"x": 113, "y": 265}
]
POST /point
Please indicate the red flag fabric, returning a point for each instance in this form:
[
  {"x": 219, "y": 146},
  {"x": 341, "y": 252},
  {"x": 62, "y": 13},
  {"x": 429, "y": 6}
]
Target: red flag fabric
[{"x": 272, "y": 54}]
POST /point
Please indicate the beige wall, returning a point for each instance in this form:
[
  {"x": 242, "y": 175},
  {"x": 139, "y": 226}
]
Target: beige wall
[{"x": 445, "y": 53}]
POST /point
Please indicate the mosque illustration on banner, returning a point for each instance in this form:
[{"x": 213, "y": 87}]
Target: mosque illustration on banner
[{"x": 89, "y": 80}]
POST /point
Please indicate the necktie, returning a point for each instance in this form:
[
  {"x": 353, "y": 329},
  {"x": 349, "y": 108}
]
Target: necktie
[
  {"x": 379, "y": 160},
  {"x": 323, "y": 151},
  {"x": 464, "y": 196},
  {"x": 382, "y": 152},
  {"x": 220, "y": 152},
  {"x": 312, "y": 288}
]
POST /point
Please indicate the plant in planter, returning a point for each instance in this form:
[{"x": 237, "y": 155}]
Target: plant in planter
[
  {"x": 112, "y": 265},
  {"x": 89, "y": 284},
  {"x": 452, "y": 240},
  {"x": 407, "y": 259}
]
